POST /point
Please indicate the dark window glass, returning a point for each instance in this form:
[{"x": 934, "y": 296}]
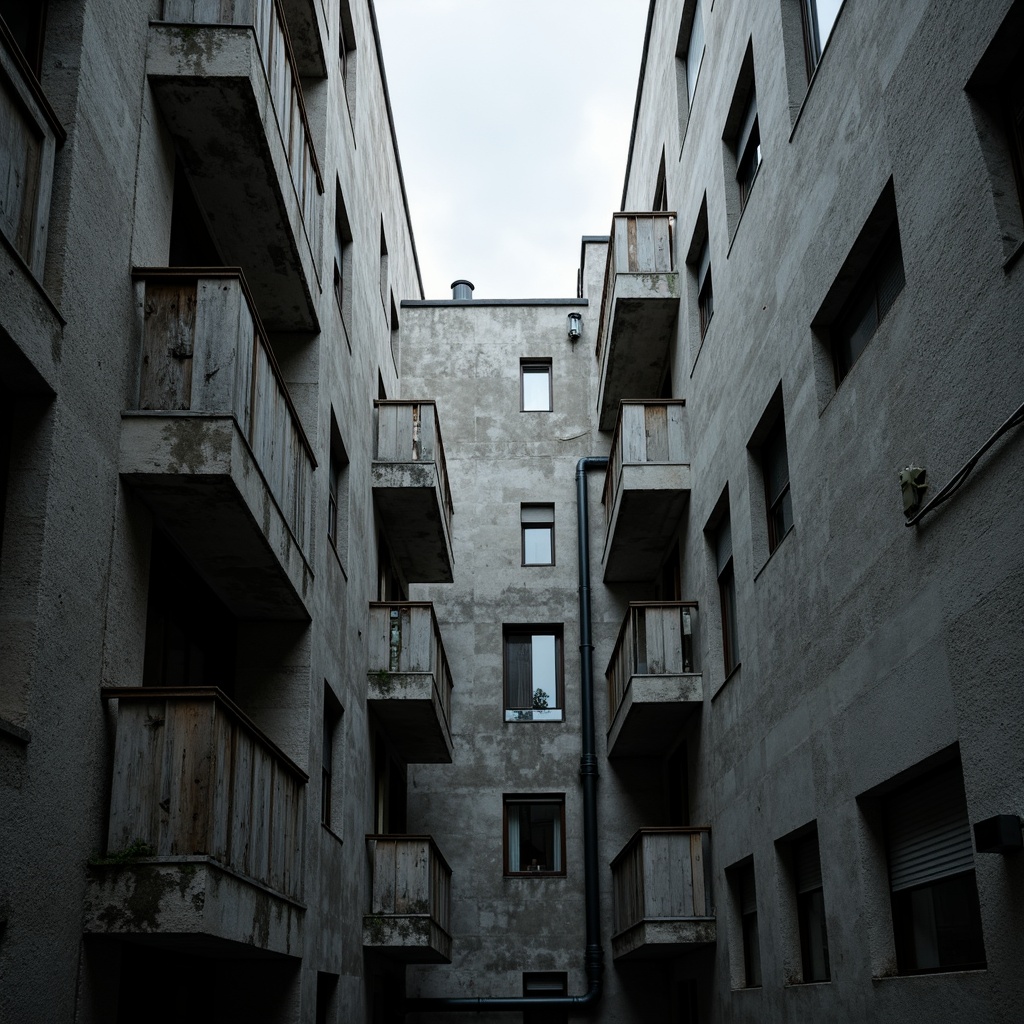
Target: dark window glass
[
  {"x": 775, "y": 466},
  {"x": 748, "y": 150},
  {"x": 535, "y": 836},
  {"x": 810, "y": 900},
  {"x": 727, "y": 595},
  {"x": 856, "y": 325},
  {"x": 705, "y": 291},
  {"x": 751, "y": 939},
  {"x": 819, "y": 17}
]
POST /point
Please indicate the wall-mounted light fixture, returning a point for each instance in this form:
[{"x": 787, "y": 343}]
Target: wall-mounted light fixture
[
  {"x": 999, "y": 834},
  {"x": 574, "y": 328},
  {"x": 913, "y": 485}
]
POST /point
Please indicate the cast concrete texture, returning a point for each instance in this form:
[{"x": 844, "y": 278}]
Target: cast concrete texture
[{"x": 867, "y": 649}]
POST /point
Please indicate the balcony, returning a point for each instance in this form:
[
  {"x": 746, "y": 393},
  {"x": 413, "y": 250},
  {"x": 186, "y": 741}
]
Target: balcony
[
  {"x": 30, "y": 326},
  {"x": 646, "y": 489},
  {"x": 214, "y": 445},
  {"x": 410, "y": 683},
  {"x": 654, "y": 679},
  {"x": 205, "y": 829},
  {"x": 661, "y": 884},
  {"x": 410, "y": 909},
  {"x": 225, "y": 80},
  {"x": 410, "y": 487},
  {"x": 638, "y": 313}
]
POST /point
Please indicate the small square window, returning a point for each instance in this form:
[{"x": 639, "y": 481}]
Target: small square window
[
  {"x": 535, "y": 835},
  {"x": 538, "y": 530},
  {"x": 533, "y": 674},
  {"x": 535, "y": 389}
]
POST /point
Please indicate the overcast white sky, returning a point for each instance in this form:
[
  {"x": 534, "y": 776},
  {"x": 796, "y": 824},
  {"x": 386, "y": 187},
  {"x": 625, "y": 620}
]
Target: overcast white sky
[{"x": 513, "y": 121}]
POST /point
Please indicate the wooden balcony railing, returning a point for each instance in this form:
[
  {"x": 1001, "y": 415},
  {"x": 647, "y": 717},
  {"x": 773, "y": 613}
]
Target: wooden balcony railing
[
  {"x": 410, "y": 902},
  {"x": 656, "y": 638},
  {"x": 404, "y": 637},
  {"x": 641, "y": 243},
  {"x": 205, "y": 351},
  {"x": 29, "y": 136},
  {"x": 662, "y": 875},
  {"x": 193, "y": 776},
  {"x": 268, "y": 22},
  {"x": 409, "y": 431},
  {"x": 645, "y": 432}
]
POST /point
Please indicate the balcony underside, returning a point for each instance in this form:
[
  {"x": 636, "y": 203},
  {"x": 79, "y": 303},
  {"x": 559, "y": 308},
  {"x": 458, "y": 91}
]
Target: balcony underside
[
  {"x": 407, "y": 705},
  {"x": 408, "y": 938},
  {"x": 638, "y": 339},
  {"x": 660, "y": 938},
  {"x": 649, "y": 503},
  {"x": 30, "y": 329},
  {"x": 652, "y": 713},
  {"x": 199, "y": 477},
  {"x": 306, "y": 34},
  {"x": 408, "y": 498},
  {"x": 194, "y": 905},
  {"x": 212, "y": 92}
]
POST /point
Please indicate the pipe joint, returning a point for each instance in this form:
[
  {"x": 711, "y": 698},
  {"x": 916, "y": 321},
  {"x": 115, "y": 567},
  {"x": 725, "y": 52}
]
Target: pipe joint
[{"x": 588, "y": 765}]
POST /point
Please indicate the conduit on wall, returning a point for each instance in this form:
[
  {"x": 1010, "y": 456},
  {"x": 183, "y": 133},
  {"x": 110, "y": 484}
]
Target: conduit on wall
[{"x": 593, "y": 955}]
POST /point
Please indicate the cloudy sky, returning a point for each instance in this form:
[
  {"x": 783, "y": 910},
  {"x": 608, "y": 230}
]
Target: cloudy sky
[{"x": 513, "y": 121}]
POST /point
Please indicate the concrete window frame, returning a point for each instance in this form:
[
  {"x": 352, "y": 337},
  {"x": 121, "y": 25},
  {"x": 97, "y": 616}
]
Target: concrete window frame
[
  {"x": 523, "y": 699},
  {"x": 533, "y": 830},
  {"x": 537, "y": 522},
  {"x": 533, "y": 395},
  {"x": 803, "y": 926}
]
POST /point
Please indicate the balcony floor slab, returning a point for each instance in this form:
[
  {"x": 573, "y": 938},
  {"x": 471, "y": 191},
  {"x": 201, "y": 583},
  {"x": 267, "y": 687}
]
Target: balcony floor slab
[
  {"x": 192, "y": 903},
  {"x": 654, "y": 939},
  {"x": 652, "y": 712},
  {"x": 200, "y": 479},
  {"x": 408, "y": 707}
]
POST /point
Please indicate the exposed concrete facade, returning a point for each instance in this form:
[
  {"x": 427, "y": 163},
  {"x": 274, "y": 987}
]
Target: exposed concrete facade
[{"x": 220, "y": 670}]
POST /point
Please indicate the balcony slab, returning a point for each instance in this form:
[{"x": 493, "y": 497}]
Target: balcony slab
[
  {"x": 409, "y": 709},
  {"x": 652, "y": 712},
  {"x": 662, "y": 939},
  {"x": 198, "y": 475}
]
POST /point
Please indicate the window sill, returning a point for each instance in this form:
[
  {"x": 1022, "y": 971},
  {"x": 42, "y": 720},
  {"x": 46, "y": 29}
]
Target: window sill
[
  {"x": 10, "y": 731},
  {"x": 531, "y": 720},
  {"x": 1014, "y": 256},
  {"x": 952, "y": 972},
  {"x": 806, "y": 984},
  {"x": 771, "y": 554},
  {"x": 721, "y": 686},
  {"x": 535, "y": 874},
  {"x": 330, "y": 831}
]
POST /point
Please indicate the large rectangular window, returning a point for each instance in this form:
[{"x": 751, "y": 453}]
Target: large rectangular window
[
  {"x": 748, "y": 149},
  {"x": 694, "y": 50},
  {"x": 935, "y": 912},
  {"x": 535, "y": 385},
  {"x": 533, "y": 674},
  {"x": 535, "y": 835},
  {"x": 538, "y": 534}
]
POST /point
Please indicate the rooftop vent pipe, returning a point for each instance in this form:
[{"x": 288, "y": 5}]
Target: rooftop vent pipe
[{"x": 462, "y": 289}]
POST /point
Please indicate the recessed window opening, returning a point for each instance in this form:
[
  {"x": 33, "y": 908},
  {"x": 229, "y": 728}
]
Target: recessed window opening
[
  {"x": 727, "y": 594},
  {"x": 819, "y": 18},
  {"x": 535, "y": 386},
  {"x": 748, "y": 150},
  {"x": 533, "y": 674},
  {"x": 538, "y": 534},
  {"x": 810, "y": 901},
  {"x": 535, "y": 835},
  {"x": 748, "y": 923},
  {"x": 775, "y": 466},
  {"x": 694, "y": 51}
]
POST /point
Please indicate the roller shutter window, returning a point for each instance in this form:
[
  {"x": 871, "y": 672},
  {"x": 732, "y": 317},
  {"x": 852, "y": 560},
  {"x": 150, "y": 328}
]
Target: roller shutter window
[{"x": 936, "y": 918}]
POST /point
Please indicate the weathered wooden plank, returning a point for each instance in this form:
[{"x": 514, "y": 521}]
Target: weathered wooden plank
[
  {"x": 676, "y": 414},
  {"x": 633, "y": 442},
  {"x": 216, "y": 348},
  {"x": 221, "y": 789},
  {"x": 672, "y": 633},
  {"x": 656, "y": 430},
  {"x": 167, "y": 346},
  {"x": 384, "y": 875},
  {"x": 662, "y": 245},
  {"x": 644, "y": 245},
  {"x": 427, "y": 432},
  {"x": 700, "y": 892},
  {"x": 241, "y": 789}
]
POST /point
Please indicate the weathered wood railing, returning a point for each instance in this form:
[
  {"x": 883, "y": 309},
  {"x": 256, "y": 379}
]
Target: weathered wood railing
[
  {"x": 409, "y": 431},
  {"x": 29, "y": 136},
  {"x": 644, "y": 432},
  {"x": 656, "y": 638},
  {"x": 405, "y": 637},
  {"x": 411, "y": 879},
  {"x": 640, "y": 243},
  {"x": 193, "y": 776},
  {"x": 268, "y": 22},
  {"x": 204, "y": 350},
  {"x": 662, "y": 874}
]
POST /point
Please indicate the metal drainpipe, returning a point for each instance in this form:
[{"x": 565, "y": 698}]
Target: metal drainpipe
[{"x": 594, "y": 955}]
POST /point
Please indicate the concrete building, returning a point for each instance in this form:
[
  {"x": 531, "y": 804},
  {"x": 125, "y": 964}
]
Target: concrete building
[{"x": 310, "y": 710}]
